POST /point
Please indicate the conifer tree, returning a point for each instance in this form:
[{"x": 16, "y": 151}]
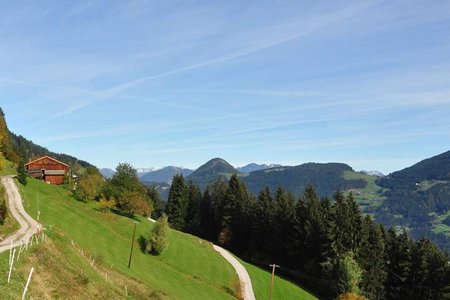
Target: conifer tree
[
  {"x": 212, "y": 209},
  {"x": 371, "y": 259},
  {"x": 311, "y": 230},
  {"x": 398, "y": 265},
  {"x": 177, "y": 203},
  {"x": 429, "y": 276},
  {"x": 284, "y": 224},
  {"x": 156, "y": 202},
  {"x": 193, "y": 209},
  {"x": 237, "y": 207},
  {"x": 262, "y": 222},
  {"x": 21, "y": 173}
]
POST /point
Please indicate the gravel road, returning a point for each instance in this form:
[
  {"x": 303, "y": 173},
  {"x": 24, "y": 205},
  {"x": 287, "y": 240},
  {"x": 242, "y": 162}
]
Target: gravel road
[
  {"x": 246, "y": 282},
  {"x": 28, "y": 226}
]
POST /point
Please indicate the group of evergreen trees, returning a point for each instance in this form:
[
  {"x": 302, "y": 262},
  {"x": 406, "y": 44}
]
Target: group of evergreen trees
[{"x": 327, "y": 245}]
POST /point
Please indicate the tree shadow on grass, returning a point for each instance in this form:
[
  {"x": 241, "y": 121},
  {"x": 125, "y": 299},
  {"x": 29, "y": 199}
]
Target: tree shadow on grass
[
  {"x": 142, "y": 243},
  {"x": 123, "y": 214}
]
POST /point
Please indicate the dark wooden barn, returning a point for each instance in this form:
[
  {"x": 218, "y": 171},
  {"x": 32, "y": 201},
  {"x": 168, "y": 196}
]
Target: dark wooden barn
[{"x": 47, "y": 169}]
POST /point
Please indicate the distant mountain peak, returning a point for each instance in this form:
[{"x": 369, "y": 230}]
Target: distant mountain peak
[
  {"x": 256, "y": 167},
  {"x": 164, "y": 174},
  {"x": 107, "y": 173},
  {"x": 216, "y": 165}
]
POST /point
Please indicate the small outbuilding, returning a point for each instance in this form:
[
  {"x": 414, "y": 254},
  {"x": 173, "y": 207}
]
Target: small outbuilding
[{"x": 48, "y": 169}]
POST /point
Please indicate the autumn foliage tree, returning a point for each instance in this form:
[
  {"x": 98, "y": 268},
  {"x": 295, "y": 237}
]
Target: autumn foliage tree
[{"x": 130, "y": 195}]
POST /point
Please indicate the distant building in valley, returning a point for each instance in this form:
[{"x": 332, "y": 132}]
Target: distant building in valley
[{"x": 47, "y": 169}]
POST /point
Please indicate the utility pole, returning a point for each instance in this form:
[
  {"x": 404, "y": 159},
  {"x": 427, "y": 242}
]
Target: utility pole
[
  {"x": 273, "y": 276},
  {"x": 132, "y": 244}
]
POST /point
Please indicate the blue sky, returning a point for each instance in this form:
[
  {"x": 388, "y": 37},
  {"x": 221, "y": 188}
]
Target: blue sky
[{"x": 157, "y": 83}]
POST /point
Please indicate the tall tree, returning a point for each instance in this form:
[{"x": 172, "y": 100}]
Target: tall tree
[
  {"x": 212, "y": 209},
  {"x": 398, "y": 265},
  {"x": 262, "y": 222},
  {"x": 236, "y": 210},
  {"x": 284, "y": 223},
  {"x": 311, "y": 227},
  {"x": 193, "y": 208},
  {"x": 177, "y": 203},
  {"x": 429, "y": 277},
  {"x": 371, "y": 259},
  {"x": 155, "y": 198}
]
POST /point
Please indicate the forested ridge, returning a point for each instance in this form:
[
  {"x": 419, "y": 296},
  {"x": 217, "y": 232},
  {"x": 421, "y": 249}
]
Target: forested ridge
[
  {"x": 324, "y": 244},
  {"x": 327, "y": 178},
  {"x": 16, "y": 148},
  {"x": 417, "y": 196}
]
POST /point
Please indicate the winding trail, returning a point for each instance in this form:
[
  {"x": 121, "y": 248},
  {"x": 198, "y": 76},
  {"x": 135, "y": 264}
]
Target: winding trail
[
  {"x": 28, "y": 226},
  {"x": 244, "y": 278}
]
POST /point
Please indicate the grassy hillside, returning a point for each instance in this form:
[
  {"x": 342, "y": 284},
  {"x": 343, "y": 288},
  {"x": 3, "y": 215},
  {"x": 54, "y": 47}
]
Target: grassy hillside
[
  {"x": 370, "y": 196},
  {"x": 282, "y": 289},
  {"x": 189, "y": 269},
  {"x": 79, "y": 233}
]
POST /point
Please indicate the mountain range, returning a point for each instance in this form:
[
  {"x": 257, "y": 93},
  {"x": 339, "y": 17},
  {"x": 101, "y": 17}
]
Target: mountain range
[{"x": 416, "y": 198}]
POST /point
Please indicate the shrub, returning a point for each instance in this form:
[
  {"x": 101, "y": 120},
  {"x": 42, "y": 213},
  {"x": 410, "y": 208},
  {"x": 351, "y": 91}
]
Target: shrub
[
  {"x": 106, "y": 205},
  {"x": 158, "y": 240},
  {"x": 3, "y": 209}
]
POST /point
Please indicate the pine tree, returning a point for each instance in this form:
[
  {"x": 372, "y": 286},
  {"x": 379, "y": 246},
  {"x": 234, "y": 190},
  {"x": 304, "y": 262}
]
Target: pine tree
[
  {"x": 429, "y": 277},
  {"x": 371, "y": 259},
  {"x": 21, "y": 173},
  {"x": 398, "y": 265},
  {"x": 262, "y": 222},
  {"x": 177, "y": 203},
  {"x": 311, "y": 229},
  {"x": 193, "y": 209},
  {"x": 212, "y": 209},
  {"x": 156, "y": 202},
  {"x": 237, "y": 207},
  {"x": 284, "y": 224}
]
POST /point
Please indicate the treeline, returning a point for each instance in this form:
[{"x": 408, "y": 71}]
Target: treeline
[{"x": 327, "y": 245}]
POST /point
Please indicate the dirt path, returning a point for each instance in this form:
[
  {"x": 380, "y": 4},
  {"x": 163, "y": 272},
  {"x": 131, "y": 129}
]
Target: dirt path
[
  {"x": 246, "y": 283},
  {"x": 28, "y": 226}
]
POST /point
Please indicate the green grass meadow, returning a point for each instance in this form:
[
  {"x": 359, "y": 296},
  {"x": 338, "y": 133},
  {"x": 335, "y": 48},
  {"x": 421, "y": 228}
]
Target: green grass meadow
[
  {"x": 80, "y": 233},
  {"x": 282, "y": 288},
  {"x": 189, "y": 269}
]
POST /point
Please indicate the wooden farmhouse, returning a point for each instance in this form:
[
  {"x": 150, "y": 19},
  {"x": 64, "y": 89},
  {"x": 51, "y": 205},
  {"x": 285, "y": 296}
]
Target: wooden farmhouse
[{"x": 47, "y": 169}]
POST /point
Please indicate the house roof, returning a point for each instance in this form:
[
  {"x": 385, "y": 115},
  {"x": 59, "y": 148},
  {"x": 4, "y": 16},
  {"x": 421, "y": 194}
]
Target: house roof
[{"x": 46, "y": 156}]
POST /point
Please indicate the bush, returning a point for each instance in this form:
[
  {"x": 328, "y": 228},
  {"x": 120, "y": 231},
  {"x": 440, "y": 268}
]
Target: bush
[
  {"x": 3, "y": 209},
  {"x": 158, "y": 240},
  {"x": 106, "y": 205}
]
